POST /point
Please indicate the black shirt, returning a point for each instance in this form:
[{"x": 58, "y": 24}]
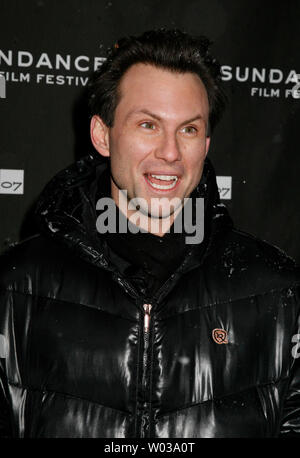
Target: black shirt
[{"x": 148, "y": 260}]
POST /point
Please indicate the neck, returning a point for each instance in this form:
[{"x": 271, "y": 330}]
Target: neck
[{"x": 155, "y": 225}]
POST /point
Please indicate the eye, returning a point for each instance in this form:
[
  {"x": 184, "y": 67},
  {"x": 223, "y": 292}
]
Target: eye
[
  {"x": 189, "y": 130},
  {"x": 148, "y": 125}
]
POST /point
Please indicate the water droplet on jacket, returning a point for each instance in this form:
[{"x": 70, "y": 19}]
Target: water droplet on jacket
[
  {"x": 184, "y": 360},
  {"x": 3, "y": 346},
  {"x": 52, "y": 228}
]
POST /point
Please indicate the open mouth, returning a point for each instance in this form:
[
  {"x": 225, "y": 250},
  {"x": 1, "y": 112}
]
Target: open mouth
[{"x": 162, "y": 182}]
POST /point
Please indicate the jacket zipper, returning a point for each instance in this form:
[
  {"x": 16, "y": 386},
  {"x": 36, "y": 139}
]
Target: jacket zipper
[
  {"x": 147, "y": 310},
  {"x": 145, "y": 415}
]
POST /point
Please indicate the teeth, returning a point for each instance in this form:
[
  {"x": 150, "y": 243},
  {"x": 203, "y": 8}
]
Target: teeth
[
  {"x": 161, "y": 186},
  {"x": 166, "y": 177}
]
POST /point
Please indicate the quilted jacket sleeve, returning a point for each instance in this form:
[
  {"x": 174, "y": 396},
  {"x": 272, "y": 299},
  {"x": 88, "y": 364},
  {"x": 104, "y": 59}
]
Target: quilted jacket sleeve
[
  {"x": 5, "y": 413},
  {"x": 5, "y": 424},
  {"x": 7, "y": 279},
  {"x": 290, "y": 424}
]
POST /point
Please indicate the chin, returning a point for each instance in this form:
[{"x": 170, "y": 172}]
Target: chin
[{"x": 162, "y": 212}]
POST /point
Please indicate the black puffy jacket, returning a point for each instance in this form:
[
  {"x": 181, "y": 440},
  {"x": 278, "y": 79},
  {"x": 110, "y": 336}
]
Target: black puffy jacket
[{"x": 76, "y": 360}]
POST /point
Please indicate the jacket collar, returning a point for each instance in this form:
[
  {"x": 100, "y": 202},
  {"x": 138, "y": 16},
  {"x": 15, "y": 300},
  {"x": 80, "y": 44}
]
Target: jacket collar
[{"x": 66, "y": 211}]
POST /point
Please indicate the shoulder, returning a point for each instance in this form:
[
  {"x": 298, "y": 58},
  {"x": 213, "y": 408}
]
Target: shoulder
[
  {"x": 40, "y": 265},
  {"x": 247, "y": 265}
]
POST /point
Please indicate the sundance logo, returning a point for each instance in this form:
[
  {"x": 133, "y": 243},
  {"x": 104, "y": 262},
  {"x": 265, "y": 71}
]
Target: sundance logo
[
  {"x": 44, "y": 68},
  {"x": 266, "y": 79},
  {"x": 258, "y": 75},
  {"x": 44, "y": 60}
]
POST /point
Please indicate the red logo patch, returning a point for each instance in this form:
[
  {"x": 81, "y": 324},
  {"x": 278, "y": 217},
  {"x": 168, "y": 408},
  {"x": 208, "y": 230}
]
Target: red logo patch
[{"x": 219, "y": 336}]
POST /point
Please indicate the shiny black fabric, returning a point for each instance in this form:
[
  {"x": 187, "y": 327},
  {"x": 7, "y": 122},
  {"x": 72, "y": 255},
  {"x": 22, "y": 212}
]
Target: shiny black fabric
[{"x": 78, "y": 362}]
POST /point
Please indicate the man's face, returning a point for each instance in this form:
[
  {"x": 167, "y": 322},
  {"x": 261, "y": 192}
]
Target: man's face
[{"x": 158, "y": 143}]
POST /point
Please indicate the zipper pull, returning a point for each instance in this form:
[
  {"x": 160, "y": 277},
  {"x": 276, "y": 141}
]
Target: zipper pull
[{"x": 147, "y": 310}]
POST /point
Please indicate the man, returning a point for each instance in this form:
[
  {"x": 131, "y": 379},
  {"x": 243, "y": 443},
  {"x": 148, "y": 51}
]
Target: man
[{"x": 137, "y": 333}]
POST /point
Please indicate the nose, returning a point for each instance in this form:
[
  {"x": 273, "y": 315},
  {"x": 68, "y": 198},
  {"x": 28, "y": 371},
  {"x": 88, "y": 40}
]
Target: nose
[{"x": 168, "y": 149}]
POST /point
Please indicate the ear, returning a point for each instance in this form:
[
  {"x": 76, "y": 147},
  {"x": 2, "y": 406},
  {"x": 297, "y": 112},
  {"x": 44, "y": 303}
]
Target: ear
[
  {"x": 207, "y": 143},
  {"x": 100, "y": 135}
]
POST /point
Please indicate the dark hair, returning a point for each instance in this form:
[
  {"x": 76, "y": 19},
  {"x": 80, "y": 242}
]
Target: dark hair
[{"x": 173, "y": 50}]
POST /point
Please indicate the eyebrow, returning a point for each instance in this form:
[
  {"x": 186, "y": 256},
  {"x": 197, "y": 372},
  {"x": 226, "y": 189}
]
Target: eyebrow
[{"x": 155, "y": 116}]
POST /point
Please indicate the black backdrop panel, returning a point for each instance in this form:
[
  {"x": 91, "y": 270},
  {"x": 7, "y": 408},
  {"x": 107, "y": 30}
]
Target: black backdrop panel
[{"x": 49, "y": 48}]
